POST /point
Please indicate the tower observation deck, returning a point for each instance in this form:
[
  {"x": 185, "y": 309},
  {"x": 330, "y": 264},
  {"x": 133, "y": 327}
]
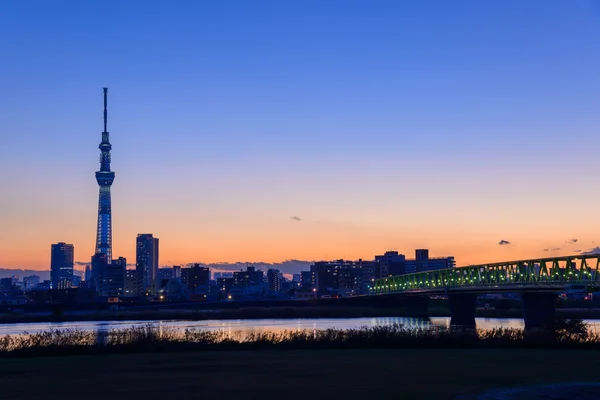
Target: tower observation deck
[{"x": 105, "y": 178}]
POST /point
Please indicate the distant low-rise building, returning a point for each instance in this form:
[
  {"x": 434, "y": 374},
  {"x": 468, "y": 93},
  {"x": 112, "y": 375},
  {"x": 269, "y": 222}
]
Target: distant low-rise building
[
  {"x": 341, "y": 277},
  {"x": 306, "y": 280},
  {"x": 225, "y": 284},
  {"x": 7, "y": 285},
  {"x": 424, "y": 263},
  {"x": 131, "y": 284},
  {"x": 389, "y": 264},
  {"x": 305, "y": 294},
  {"x": 30, "y": 282},
  {"x": 250, "y": 277},
  {"x": 217, "y": 275},
  {"x": 195, "y": 277}
]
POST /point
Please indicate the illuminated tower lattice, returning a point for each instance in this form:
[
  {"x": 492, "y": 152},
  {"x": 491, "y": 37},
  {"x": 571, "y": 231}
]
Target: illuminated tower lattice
[{"x": 105, "y": 178}]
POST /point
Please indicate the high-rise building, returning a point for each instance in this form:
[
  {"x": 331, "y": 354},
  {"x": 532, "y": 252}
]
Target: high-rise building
[
  {"x": 274, "y": 279},
  {"x": 105, "y": 178},
  {"x": 61, "y": 265},
  {"x": 99, "y": 260},
  {"x": 146, "y": 263},
  {"x": 88, "y": 273}
]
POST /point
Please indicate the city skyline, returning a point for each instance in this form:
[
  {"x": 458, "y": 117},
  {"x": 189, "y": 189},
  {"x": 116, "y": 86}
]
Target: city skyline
[{"x": 331, "y": 150}]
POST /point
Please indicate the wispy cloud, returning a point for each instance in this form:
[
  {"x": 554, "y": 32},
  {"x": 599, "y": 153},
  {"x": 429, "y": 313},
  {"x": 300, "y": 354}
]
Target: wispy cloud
[
  {"x": 504, "y": 243},
  {"x": 595, "y": 250},
  {"x": 296, "y": 218},
  {"x": 552, "y": 249}
]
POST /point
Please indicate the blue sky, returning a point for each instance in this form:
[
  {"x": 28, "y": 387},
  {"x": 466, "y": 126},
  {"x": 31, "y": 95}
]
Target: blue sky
[{"x": 381, "y": 124}]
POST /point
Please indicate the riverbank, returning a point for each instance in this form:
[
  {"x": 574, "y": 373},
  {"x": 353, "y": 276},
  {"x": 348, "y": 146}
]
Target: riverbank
[
  {"x": 267, "y": 313},
  {"x": 294, "y": 374},
  {"x": 566, "y": 334}
]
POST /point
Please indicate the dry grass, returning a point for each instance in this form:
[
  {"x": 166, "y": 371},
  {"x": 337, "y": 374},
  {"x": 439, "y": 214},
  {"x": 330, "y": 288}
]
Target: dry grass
[{"x": 154, "y": 338}]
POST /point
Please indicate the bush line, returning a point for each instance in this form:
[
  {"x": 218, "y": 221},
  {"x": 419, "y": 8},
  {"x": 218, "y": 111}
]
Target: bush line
[{"x": 568, "y": 334}]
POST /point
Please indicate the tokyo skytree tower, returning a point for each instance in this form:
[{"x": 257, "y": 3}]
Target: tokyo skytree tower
[{"x": 105, "y": 178}]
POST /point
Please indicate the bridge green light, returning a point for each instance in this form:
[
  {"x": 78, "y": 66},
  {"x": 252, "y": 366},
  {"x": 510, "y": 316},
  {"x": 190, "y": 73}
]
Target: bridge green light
[{"x": 546, "y": 273}]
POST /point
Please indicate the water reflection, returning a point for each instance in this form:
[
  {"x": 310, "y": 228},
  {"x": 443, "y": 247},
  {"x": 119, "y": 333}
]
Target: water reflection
[{"x": 265, "y": 325}]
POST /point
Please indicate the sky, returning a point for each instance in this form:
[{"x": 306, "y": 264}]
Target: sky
[{"x": 303, "y": 129}]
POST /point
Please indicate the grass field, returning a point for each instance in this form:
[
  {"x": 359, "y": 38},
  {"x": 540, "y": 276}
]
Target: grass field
[{"x": 306, "y": 374}]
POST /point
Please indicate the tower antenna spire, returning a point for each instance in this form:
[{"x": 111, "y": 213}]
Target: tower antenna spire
[{"x": 105, "y": 104}]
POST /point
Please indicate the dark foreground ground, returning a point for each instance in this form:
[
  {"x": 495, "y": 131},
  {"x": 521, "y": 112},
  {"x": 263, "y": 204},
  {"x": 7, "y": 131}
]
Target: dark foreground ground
[{"x": 306, "y": 374}]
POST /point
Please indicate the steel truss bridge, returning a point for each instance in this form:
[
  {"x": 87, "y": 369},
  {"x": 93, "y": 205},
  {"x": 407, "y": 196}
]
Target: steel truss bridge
[{"x": 545, "y": 274}]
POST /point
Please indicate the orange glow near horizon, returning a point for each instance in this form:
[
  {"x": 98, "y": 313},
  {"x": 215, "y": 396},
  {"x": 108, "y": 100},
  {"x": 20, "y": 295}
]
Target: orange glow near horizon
[{"x": 284, "y": 240}]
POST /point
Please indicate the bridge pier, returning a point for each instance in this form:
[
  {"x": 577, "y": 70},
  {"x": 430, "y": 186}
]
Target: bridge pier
[
  {"x": 416, "y": 306},
  {"x": 539, "y": 310},
  {"x": 462, "y": 309}
]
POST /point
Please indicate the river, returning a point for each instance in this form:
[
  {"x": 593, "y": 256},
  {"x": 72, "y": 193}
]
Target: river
[{"x": 272, "y": 325}]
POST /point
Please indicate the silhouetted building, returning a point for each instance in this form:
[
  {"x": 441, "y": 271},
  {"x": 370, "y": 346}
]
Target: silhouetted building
[
  {"x": 99, "y": 261},
  {"x": 177, "y": 271},
  {"x": 131, "y": 284},
  {"x": 422, "y": 254},
  {"x": 7, "y": 285},
  {"x": 217, "y": 275},
  {"x": 274, "y": 280},
  {"x": 225, "y": 284},
  {"x": 147, "y": 263},
  {"x": 340, "y": 277},
  {"x": 423, "y": 263},
  {"x": 195, "y": 277},
  {"x": 250, "y": 277},
  {"x": 88, "y": 273},
  {"x": 108, "y": 278},
  {"x": 61, "y": 265},
  {"x": 30, "y": 282},
  {"x": 390, "y": 264},
  {"x": 43, "y": 286},
  {"x": 306, "y": 279},
  {"x": 305, "y": 294},
  {"x": 63, "y": 283},
  {"x": 112, "y": 279},
  {"x": 165, "y": 273}
]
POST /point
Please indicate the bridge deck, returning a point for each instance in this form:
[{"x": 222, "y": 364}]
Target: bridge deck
[{"x": 540, "y": 275}]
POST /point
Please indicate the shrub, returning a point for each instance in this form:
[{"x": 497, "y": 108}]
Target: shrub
[{"x": 152, "y": 337}]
